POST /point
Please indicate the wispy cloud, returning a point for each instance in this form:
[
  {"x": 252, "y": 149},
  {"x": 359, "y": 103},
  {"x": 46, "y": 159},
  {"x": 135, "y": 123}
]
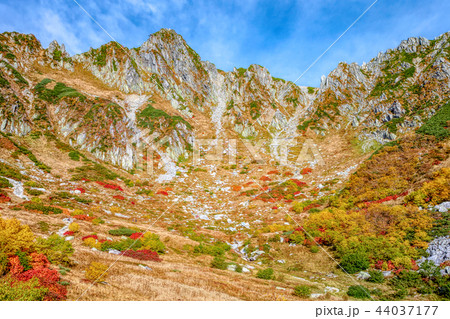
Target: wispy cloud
[{"x": 285, "y": 36}]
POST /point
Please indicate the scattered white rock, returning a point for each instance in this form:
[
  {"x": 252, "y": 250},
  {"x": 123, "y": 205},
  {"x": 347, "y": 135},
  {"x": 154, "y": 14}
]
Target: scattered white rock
[
  {"x": 442, "y": 207},
  {"x": 331, "y": 289},
  {"x": 145, "y": 267},
  {"x": 231, "y": 267},
  {"x": 363, "y": 275}
]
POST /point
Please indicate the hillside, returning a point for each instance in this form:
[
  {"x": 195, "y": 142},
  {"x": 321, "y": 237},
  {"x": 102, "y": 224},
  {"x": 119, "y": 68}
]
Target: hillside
[{"x": 100, "y": 159}]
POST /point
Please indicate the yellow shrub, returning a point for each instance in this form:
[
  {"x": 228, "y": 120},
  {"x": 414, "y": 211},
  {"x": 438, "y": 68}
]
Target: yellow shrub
[
  {"x": 75, "y": 227},
  {"x": 77, "y": 212},
  {"x": 402, "y": 262},
  {"x": 96, "y": 209},
  {"x": 14, "y": 236},
  {"x": 276, "y": 228},
  {"x": 92, "y": 242},
  {"x": 115, "y": 209},
  {"x": 338, "y": 224},
  {"x": 96, "y": 272},
  {"x": 433, "y": 192}
]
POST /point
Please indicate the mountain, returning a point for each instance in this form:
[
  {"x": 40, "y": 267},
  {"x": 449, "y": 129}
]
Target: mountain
[{"x": 358, "y": 166}]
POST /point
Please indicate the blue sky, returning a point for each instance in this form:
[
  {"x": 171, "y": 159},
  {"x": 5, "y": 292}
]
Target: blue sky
[{"x": 284, "y": 36}]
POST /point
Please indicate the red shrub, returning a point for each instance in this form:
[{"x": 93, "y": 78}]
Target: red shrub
[
  {"x": 4, "y": 198},
  {"x": 39, "y": 260},
  {"x": 81, "y": 190},
  {"x": 143, "y": 254},
  {"x": 299, "y": 183},
  {"x": 48, "y": 278},
  {"x": 84, "y": 217},
  {"x": 265, "y": 179},
  {"x": 90, "y": 236},
  {"x": 136, "y": 236},
  {"x": 119, "y": 197},
  {"x": 392, "y": 197},
  {"x": 288, "y": 174},
  {"x": 236, "y": 188},
  {"x": 69, "y": 233},
  {"x": 306, "y": 170},
  {"x": 273, "y": 172},
  {"x": 110, "y": 186},
  {"x": 274, "y": 207},
  {"x": 15, "y": 266},
  {"x": 160, "y": 192}
]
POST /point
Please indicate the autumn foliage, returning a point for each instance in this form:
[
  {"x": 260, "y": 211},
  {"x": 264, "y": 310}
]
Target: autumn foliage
[{"x": 25, "y": 264}]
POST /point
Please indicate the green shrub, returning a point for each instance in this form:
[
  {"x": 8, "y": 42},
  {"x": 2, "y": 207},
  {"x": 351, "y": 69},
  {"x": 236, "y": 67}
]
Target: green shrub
[
  {"x": 43, "y": 208},
  {"x": 8, "y": 171},
  {"x": 265, "y": 274},
  {"x": 354, "y": 262},
  {"x": 33, "y": 192},
  {"x": 437, "y": 125},
  {"x": 33, "y": 184},
  {"x": 3, "y": 263},
  {"x": 123, "y": 231},
  {"x": 358, "y": 291},
  {"x": 376, "y": 276},
  {"x": 406, "y": 279},
  {"x": 93, "y": 171},
  {"x": 238, "y": 268},
  {"x": 444, "y": 291},
  {"x": 302, "y": 291},
  {"x": 219, "y": 263},
  {"x": 217, "y": 249},
  {"x": 429, "y": 270},
  {"x": 24, "y": 260},
  {"x": 314, "y": 249},
  {"x": 56, "y": 248},
  {"x": 122, "y": 245},
  {"x": 11, "y": 290},
  {"x": 4, "y": 183},
  {"x": 74, "y": 155}
]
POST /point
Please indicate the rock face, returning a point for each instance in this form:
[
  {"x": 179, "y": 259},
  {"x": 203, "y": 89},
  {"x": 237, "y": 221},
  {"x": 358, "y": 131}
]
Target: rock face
[
  {"x": 439, "y": 250},
  {"x": 375, "y": 101},
  {"x": 442, "y": 207}
]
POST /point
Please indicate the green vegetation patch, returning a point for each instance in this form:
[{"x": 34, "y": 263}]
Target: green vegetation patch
[
  {"x": 59, "y": 92},
  {"x": 43, "y": 208},
  {"x": 438, "y": 124},
  {"x": 8, "y": 171},
  {"x": 147, "y": 118}
]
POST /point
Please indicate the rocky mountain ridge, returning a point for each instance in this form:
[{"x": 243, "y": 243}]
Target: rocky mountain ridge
[{"x": 375, "y": 102}]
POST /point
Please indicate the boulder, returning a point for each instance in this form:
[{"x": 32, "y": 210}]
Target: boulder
[{"x": 363, "y": 275}]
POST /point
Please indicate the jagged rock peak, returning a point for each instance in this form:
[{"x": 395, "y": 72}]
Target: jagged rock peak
[
  {"x": 55, "y": 46},
  {"x": 167, "y": 36}
]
